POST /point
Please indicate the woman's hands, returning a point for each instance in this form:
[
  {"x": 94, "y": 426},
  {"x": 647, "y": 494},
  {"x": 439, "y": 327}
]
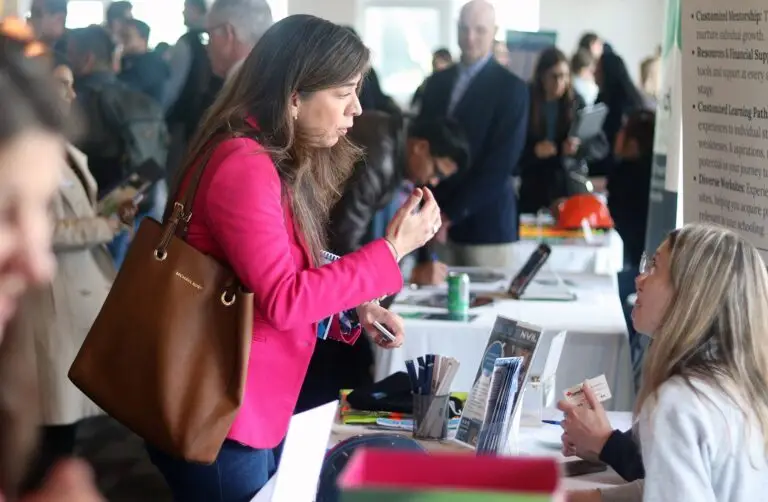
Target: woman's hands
[
  {"x": 127, "y": 212},
  {"x": 586, "y": 430},
  {"x": 368, "y": 313},
  {"x": 545, "y": 149},
  {"x": 571, "y": 146},
  {"x": 412, "y": 227},
  {"x": 125, "y": 216},
  {"x": 430, "y": 273}
]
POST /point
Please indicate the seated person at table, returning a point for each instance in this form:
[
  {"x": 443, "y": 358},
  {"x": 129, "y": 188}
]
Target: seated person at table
[
  {"x": 554, "y": 165},
  {"x": 702, "y": 412},
  {"x": 433, "y": 151}
]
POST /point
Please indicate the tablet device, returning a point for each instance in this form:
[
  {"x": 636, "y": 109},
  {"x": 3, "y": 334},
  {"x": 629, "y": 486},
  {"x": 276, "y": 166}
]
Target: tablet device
[
  {"x": 589, "y": 122},
  {"x": 526, "y": 274}
]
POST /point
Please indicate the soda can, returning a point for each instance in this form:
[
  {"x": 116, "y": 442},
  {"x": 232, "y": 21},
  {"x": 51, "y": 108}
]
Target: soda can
[{"x": 458, "y": 294}]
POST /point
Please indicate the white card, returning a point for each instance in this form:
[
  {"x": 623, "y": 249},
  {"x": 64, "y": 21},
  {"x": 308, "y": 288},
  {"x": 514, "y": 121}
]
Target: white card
[{"x": 599, "y": 386}]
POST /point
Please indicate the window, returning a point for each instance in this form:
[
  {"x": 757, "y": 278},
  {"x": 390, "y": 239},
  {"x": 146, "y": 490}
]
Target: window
[
  {"x": 82, "y": 13},
  {"x": 166, "y": 24},
  {"x": 402, "y": 40}
]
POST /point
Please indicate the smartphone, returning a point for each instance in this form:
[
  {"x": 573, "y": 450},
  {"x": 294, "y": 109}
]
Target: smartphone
[
  {"x": 384, "y": 331},
  {"x": 582, "y": 468},
  {"x": 526, "y": 274}
]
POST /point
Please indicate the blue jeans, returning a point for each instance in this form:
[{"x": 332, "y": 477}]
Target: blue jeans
[{"x": 238, "y": 473}]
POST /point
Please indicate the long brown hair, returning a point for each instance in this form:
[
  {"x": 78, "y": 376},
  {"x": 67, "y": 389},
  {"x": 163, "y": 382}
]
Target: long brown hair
[
  {"x": 301, "y": 54},
  {"x": 547, "y": 60},
  {"x": 28, "y": 100}
]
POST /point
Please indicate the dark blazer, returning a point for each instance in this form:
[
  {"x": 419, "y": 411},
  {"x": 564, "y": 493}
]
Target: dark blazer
[{"x": 481, "y": 203}]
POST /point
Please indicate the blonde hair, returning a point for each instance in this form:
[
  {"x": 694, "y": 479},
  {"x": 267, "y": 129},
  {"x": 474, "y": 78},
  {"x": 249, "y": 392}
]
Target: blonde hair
[
  {"x": 715, "y": 328},
  {"x": 650, "y": 81}
]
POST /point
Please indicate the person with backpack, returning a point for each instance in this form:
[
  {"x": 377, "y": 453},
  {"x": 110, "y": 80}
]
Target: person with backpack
[
  {"x": 124, "y": 127},
  {"x": 192, "y": 85}
]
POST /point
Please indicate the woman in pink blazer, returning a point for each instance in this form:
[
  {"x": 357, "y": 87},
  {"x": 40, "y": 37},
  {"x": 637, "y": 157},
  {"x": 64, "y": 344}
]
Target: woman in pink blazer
[{"x": 278, "y": 158}]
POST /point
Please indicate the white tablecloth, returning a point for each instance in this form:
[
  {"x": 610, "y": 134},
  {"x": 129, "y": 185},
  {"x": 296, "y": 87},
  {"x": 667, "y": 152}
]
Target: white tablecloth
[
  {"x": 597, "y": 340},
  {"x": 604, "y": 257}
]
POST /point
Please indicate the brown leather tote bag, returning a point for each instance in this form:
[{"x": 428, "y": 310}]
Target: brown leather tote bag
[{"x": 168, "y": 354}]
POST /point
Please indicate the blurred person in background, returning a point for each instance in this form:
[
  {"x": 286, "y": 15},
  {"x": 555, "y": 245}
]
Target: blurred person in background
[
  {"x": 57, "y": 316},
  {"x": 163, "y": 49},
  {"x": 191, "y": 84},
  {"x": 140, "y": 68},
  {"x": 234, "y": 27},
  {"x": 441, "y": 59},
  {"x": 617, "y": 91},
  {"x": 32, "y": 155},
  {"x": 49, "y": 20},
  {"x": 125, "y": 127},
  {"x": 480, "y": 220},
  {"x": 583, "y": 65},
  {"x": 117, "y": 16},
  {"x": 501, "y": 53},
  {"x": 554, "y": 164},
  {"x": 629, "y": 187},
  {"x": 650, "y": 80}
]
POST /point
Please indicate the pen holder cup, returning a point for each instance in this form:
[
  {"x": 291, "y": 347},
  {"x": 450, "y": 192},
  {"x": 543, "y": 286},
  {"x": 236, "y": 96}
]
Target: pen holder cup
[{"x": 430, "y": 416}]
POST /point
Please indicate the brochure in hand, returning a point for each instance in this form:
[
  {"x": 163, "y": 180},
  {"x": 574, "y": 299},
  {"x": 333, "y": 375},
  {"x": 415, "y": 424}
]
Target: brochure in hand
[{"x": 509, "y": 339}]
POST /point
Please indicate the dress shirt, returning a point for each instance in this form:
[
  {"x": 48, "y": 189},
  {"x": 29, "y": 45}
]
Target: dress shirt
[{"x": 466, "y": 74}]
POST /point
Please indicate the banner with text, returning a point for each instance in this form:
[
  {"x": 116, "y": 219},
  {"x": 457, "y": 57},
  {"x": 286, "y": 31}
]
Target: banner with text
[
  {"x": 725, "y": 67},
  {"x": 664, "y": 195}
]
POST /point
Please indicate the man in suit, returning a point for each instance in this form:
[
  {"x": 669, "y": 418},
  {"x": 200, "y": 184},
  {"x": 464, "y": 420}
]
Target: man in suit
[{"x": 480, "y": 207}]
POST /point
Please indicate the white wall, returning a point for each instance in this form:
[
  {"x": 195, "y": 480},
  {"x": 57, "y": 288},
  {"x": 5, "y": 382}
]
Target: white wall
[
  {"x": 633, "y": 27},
  {"x": 338, "y": 11}
]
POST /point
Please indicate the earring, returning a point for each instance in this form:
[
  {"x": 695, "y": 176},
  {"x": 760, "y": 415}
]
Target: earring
[{"x": 295, "y": 117}]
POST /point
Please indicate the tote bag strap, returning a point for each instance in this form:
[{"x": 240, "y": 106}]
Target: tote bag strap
[{"x": 177, "y": 223}]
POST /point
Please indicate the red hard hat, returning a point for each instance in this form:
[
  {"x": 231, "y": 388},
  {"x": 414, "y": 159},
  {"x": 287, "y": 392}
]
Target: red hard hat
[{"x": 584, "y": 206}]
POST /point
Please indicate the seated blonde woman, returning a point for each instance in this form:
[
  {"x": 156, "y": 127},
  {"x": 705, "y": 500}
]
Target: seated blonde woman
[{"x": 702, "y": 412}]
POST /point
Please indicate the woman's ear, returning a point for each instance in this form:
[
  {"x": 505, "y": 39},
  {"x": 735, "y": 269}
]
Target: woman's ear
[{"x": 294, "y": 105}]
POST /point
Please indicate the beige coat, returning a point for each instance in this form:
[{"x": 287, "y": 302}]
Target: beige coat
[{"x": 59, "y": 316}]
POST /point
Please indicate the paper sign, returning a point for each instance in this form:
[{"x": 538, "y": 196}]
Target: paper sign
[{"x": 302, "y": 458}]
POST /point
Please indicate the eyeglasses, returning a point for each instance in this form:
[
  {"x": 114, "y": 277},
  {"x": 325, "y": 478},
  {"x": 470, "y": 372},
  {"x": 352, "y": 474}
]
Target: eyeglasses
[{"x": 646, "y": 264}]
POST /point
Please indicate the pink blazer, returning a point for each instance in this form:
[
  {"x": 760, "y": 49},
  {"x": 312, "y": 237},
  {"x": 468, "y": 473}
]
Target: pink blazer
[{"x": 240, "y": 218}]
